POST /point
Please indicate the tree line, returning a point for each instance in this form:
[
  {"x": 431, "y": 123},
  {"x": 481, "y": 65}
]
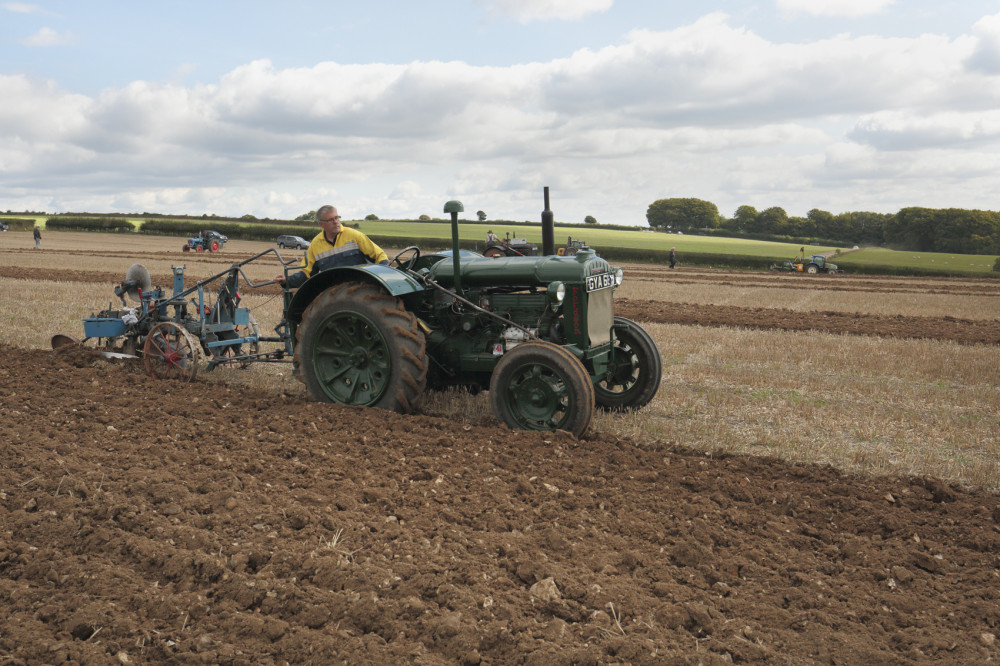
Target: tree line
[{"x": 957, "y": 230}]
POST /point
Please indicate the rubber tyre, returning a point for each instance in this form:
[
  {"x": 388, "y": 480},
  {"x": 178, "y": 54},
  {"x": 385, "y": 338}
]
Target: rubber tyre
[
  {"x": 571, "y": 251},
  {"x": 186, "y": 248},
  {"x": 812, "y": 269},
  {"x": 636, "y": 369},
  {"x": 494, "y": 252},
  {"x": 541, "y": 386},
  {"x": 357, "y": 345},
  {"x": 199, "y": 248},
  {"x": 215, "y": 247}
]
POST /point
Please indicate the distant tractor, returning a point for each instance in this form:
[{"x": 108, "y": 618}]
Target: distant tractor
[
  {"x": 815, "y": 264},
  {"x": 205, "y": 241},
  {"x": 520, "y": 247},
  {"x": 510, "y": 247}
]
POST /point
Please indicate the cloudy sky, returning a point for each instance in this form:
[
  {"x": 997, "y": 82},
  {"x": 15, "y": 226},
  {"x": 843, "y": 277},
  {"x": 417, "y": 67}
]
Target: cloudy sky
[{"x": 393, "y": 107}]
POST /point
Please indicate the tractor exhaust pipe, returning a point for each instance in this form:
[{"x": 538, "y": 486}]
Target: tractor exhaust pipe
[
  {"x": 548, "y": 228},
  {"x": 454, "y": 208}
]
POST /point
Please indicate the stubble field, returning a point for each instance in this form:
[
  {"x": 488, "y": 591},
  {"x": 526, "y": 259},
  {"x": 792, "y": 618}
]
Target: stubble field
[{"x": 815, "y": 482}]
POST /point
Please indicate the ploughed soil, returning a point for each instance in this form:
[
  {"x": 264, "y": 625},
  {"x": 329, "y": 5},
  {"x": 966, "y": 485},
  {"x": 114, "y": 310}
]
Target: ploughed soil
[{"x": 151, "y": 522}]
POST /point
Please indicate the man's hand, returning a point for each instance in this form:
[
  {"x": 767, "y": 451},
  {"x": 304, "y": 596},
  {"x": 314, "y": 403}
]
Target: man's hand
[{"x": 279, "y": 279}]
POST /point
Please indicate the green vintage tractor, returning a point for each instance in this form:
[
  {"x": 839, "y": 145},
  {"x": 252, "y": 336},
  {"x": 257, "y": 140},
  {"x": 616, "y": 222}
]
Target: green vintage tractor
[{"x": 539, "y": 333}]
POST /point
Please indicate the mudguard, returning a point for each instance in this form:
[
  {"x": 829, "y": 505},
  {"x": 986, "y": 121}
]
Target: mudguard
[{"x": 394, "y": 282}]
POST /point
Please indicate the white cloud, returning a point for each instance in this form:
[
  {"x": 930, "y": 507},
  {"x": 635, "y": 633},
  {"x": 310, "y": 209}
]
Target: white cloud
[
  {"x": 846, "y": 8},
  {"x": 905, "y": 130},
  {"x": 709, "y": 109},
  {"x": 986, "y": 55},
  {"x": 21, "y": 8},
  {"x": 526, "y": 11},
  {"x": 48, "y": 37}
]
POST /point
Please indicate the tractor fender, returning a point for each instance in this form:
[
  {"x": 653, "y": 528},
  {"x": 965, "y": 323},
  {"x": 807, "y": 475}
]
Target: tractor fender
[{"x": 392, "y": 281}]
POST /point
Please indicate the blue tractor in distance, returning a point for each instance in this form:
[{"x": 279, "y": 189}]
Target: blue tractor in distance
[{"x": 206, "y": 241}]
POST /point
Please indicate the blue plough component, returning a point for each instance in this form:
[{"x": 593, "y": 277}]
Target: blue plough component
[{"x": 168, "y": 330}]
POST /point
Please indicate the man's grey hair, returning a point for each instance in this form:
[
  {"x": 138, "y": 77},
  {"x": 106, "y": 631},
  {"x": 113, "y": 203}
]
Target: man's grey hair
[{"x": 323, "y": 210}]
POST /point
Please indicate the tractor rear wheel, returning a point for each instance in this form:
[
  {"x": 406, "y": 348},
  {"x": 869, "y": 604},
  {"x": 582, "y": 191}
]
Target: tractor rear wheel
[
  {"x": 215, "y": 246},
  {"x": 494, "y": 252},
  {"x": 359, "y": 346},
  {"x": 170, "y": 352},
  {"x": 635, "y": 370},
  {"x": 812, "y": 269},
  {"x": 541, "y": 386}
]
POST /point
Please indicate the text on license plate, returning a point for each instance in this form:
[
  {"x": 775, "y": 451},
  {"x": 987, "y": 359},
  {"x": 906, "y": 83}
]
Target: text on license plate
[{"x": 595, "y": 282}]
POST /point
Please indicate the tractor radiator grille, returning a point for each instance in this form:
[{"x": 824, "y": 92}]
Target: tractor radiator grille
[{"x": 600, "y": 316}]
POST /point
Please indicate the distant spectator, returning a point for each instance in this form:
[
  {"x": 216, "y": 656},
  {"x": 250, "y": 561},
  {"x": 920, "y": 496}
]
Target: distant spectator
[
  {"x": 38, "y": 237},
  {"x": 673, "y": 257},
  {"x": 491, "y": 238}
]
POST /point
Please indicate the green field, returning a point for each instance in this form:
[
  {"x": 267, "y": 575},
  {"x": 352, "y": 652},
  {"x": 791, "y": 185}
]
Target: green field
[
  {"x": 964, "y": 263},
  {"x": 688, "y": 247},
  {"x": 597, "y": 238}
]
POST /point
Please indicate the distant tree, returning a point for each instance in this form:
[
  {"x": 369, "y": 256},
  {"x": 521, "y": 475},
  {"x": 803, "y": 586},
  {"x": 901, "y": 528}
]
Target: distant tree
[
  {"x": 912, "y": 228},
  {"x": 682, "y": 214},
  {"x": 822, "y": 223},
  {"x": 773, "y": 220},
  {"x": 744, "y": 219},
  {"x": 424, "y": 218},
  {"x": 371, "y": 217},
  {"x": 481, "y": 215},
  {"x": 306, "y": 217},
  {"x": 249, "y": 218},
  {"x": 590, "y": 219}
]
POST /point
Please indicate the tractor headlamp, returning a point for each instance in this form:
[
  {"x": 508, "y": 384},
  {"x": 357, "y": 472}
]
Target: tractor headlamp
[
  {"x": 556, "y": 292},
  {"x": 619, "y": 276}
]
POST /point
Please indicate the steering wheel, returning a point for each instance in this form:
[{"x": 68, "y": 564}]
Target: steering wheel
[{"x": 410, "y": 262}]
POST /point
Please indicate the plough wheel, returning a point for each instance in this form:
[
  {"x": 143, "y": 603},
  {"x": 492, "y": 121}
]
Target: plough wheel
[
  {"x": 170, "y": 352},
  {"x": 541, "y": 386},
  {"x": 358, "y": 345}
]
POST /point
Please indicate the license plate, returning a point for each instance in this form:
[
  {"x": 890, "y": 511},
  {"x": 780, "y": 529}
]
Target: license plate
[{"x": 595, "y": 282}]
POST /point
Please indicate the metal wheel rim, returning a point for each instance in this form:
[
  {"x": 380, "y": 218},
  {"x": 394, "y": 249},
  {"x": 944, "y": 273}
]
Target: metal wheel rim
[
  {"x": 352, "y": 359},
  {"x": 623, "y": 370},
  {"x": 169, "y": 353},
  {"x": 538, "y": 398}
]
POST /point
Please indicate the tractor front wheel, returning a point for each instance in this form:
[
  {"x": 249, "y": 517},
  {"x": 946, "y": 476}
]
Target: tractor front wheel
[
  {"x": 170, "y": 352},
  {"x": 215, "y": 246},
  {"x": 199, "y": 248},
  {"x": 358, "y": 345},
  {"x": 541, "y": 386},
  {"x": 635, "y": 370}
]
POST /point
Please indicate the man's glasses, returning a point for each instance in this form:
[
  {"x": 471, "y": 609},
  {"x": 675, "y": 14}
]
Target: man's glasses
[{"x": 331, "y": 219}]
